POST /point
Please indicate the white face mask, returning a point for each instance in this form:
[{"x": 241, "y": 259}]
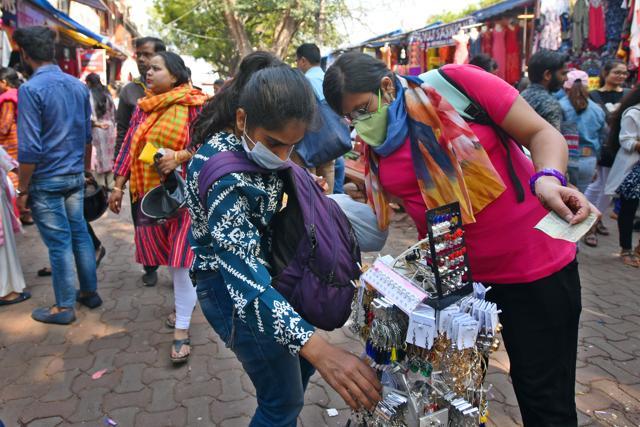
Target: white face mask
[{"x": 262, "y": 156}]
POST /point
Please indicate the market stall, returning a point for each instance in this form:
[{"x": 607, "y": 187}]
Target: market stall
[{"x": 427, "y": 330}]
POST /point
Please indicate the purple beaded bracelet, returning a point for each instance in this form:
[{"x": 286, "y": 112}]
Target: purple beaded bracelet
[{"x": 546, "y": 172}]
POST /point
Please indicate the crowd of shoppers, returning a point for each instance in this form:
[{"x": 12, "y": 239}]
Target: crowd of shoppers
[{"x": 64, "y": 134}]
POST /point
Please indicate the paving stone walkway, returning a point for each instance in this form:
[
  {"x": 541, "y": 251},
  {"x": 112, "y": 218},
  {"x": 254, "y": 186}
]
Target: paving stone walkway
[{"x": 45, "y": 371}]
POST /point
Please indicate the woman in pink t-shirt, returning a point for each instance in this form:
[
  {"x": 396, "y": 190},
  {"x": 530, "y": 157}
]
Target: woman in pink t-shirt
[{"x": 534, "y": 278}]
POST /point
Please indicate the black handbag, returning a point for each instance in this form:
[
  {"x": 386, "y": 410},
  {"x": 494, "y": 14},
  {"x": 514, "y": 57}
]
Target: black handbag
[{"x": 327, "y": 139}]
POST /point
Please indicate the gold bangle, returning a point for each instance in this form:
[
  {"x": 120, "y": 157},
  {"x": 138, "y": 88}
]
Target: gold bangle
[
  {"x": 175, "y": 157},
  {"x": 119, "y": 189}
]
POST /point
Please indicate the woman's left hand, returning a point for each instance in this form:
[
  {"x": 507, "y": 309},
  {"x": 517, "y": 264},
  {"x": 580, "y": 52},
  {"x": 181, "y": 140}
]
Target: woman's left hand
[
  {"x": 167, "y": 162},
  {"x": 570, "y": 204}
]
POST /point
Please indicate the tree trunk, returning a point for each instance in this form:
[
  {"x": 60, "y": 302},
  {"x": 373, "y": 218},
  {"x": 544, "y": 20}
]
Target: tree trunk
[
  {"x": 236, "y": 29},
  {"x": 285, "y": 32}
]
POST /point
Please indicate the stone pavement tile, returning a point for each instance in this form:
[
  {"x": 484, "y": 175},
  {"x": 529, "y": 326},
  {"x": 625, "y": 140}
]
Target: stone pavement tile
[
  {"x": 131, "y": 380},
  {"x": 60, "y": 385},
  {"x": 231, "y": 385},
  {"x": 21, "y": 391},
  {"x": 109, "y": 380},
  {"x": 316, "y": 395},
  {"x": 138, "y": 399},
  {"x": 10, "y": 374},
  {"x": 499, "y": 416},
  {"x": 311, "y": 416},
  {"x": 162, "y": 396},
  {"x": 631, "y": 390},
  {"x": 226, "y": 410},
  {"x": 198, "y": 411},
  {"x": 247, "y": 385},
  {"x": 612, "y": 417},
  {"x": 46, "y": 422},
  {"x": 623, "y": 372},
  {"x": 197, "y": 366},
  {"x": 186, "y": 389},
  {"x": 47, "y": 350},
  {"x": 591, "y": 372},
  {"x": 626, "y": 401},
  {"x": 11, "y": 411},
  {"x": 104, "y": 359},
  {"x": 595, "y": 400},
  {"x": 36, "y": 372},
  {"x": 585, "y": 420},
  {"x": 165, "y": 371},
  {"x": 147, "y": 357},
  {"x": 90, "y": 407},
  {"x": 175, "y": 418},
  {"x": 63, "y": 409},
  {"x": 124, "y": 416},
  {"x": 216, "y": 365},
  {"x": 502, "y": 384},
  {"x": 236, "y": 422}
]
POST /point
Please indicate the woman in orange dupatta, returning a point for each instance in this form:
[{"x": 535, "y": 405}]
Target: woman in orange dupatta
[{"x": 163, "y": 119}]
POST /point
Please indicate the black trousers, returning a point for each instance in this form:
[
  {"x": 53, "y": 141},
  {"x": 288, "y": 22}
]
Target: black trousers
[
  {"x": 540, "y": 332},
  {"x": 626, "y": 216}
]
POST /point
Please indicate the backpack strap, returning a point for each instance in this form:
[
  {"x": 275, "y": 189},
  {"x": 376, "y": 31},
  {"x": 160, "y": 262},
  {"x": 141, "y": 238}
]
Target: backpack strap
[
  {"x": 479, "y": 115},
  {"x": 223, "y": 164}
]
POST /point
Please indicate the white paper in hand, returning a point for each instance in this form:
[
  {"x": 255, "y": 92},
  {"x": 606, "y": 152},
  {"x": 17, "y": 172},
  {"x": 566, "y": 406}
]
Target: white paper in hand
[{"x": 558, "y": 228}]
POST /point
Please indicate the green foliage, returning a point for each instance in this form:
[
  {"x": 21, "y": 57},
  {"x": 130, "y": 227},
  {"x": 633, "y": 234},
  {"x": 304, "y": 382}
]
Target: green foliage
[
  {"x": 204, "y": 33},
  {"x": 449, "y": 16}
]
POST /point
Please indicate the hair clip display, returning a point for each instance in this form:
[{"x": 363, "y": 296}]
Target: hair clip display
[{"x": 427, "y": 330}]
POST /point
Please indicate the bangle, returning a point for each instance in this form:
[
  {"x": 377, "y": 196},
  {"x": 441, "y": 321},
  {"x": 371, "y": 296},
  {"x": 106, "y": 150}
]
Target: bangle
[
  {"x": 175, "y": 156},
  {"x": 119, "y": 189},
  {"x": 546, "y": 172}
]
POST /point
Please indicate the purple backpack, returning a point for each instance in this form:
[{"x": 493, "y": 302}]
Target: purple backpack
[{"x": 314, "y": 251}]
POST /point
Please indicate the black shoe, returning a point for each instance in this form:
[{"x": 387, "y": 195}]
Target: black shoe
[
  {"x": 150, "y": 278},
  {"x": 100, "y": 253},
  {"x": 92, "y": 301}
]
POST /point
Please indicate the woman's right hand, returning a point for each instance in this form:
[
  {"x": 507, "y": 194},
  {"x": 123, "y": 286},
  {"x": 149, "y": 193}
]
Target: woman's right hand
[
  {"x": 115, "y": 201},
  {"x": 354, "y": 380}
]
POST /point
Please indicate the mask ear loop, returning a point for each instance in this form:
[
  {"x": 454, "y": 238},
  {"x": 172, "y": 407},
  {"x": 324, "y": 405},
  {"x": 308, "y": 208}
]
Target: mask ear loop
[{"x": 379, "y": 99}]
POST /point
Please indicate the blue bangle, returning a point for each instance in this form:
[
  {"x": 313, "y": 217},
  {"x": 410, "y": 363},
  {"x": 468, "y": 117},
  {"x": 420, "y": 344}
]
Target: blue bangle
[{"x": 546, "y": 172}]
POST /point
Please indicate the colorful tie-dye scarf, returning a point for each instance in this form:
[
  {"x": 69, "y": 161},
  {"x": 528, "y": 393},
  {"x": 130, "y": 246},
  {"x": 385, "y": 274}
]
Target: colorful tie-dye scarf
[{"x": 449, "y": 162}]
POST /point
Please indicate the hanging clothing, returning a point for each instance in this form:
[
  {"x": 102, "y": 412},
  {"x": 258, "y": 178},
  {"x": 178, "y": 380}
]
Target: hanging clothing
[
  {"x": 614, "y": 20},
  {"x": 596, "y": 25},
  {"x": 581, "y": 17},
  {"x": 499, "y": 50},
  {"x": 486, "y": 41},
  {"x": 512, "y": 68},
  {"x": 475, "y": 43},
  {"x": 462, "y": 49},
  {"x": 634, "y": 38}
]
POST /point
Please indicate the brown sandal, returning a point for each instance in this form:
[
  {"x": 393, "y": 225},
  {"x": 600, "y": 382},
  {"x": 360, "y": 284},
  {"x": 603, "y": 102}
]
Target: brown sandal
[
  {"x": 601, "y": 229},
  {"x": 171, "y": 320},
  {"x": 630, "y": 259}
]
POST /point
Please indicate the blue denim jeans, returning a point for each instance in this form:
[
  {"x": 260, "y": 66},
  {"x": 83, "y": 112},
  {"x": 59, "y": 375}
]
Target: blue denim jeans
[
  {"x": 582, "y": 171},
  {"x": 280, "y": 379},
  {"x": 57, "y": 206},
  {"x": 338, "y": 182}
]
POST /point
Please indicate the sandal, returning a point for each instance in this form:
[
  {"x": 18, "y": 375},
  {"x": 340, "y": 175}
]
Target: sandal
[
  {"x": 22, "y": 296},
  {"x": 630, "y": 259},
  {"x": 591, "y": 239},
  {"x": 177, "y": 345},
  {"x": 44, "y": 272},
  {"x": 601, "y": 229},
  {"x": 636, "y": 251},
  {"x": 171, "y": 320}
]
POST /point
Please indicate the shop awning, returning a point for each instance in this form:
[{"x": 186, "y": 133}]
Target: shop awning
[
  {"x": 441, "y": 35},
  {"x": 76, "y": 30},
  {"x": 96, "y": 4},
  {"x": 500, "y": 8}
]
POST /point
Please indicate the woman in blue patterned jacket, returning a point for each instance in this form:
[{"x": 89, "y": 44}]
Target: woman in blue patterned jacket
[{"x": 264, "y": 112}]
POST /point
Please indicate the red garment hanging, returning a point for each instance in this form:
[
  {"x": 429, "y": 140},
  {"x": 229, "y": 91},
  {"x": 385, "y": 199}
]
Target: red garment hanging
[
  {"x": 597, "y": 37},
  {"x": 486, "y": 42},
  {"x": 512, "y": 67},
  {"x": 499, "y": 50}
]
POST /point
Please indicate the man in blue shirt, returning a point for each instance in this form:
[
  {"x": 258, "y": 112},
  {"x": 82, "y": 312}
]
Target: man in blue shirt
[
  {"x": 54, "y": 150},
  {"x": 308, "y": 61}
]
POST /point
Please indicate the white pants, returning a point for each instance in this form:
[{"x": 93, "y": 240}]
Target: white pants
[
  {"x": 595, "y": 190},
  {"x": 185, "y": 296}
]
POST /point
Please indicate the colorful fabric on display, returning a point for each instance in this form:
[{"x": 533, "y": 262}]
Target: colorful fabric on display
[
  {"x": 167, "y": 126},
  {"x": 596, "y": 25},
  {"x": 634, "y": 39},
  {"x": 462, "y": 49},
  {"x": 499, "y": 50},
  {"x": 475, "y": 43},
  {"x": 580, "y": 24},
  {"x": 614, "y": 19},
  {"x": 512, "y": 67},
  {"x": 8, "y": 126},
  {"x": 486, "y": 41},
  {"x": 449, "y": 162}
]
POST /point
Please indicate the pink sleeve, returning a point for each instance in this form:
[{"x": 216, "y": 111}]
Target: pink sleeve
[{"x": 492, "y": 93}]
